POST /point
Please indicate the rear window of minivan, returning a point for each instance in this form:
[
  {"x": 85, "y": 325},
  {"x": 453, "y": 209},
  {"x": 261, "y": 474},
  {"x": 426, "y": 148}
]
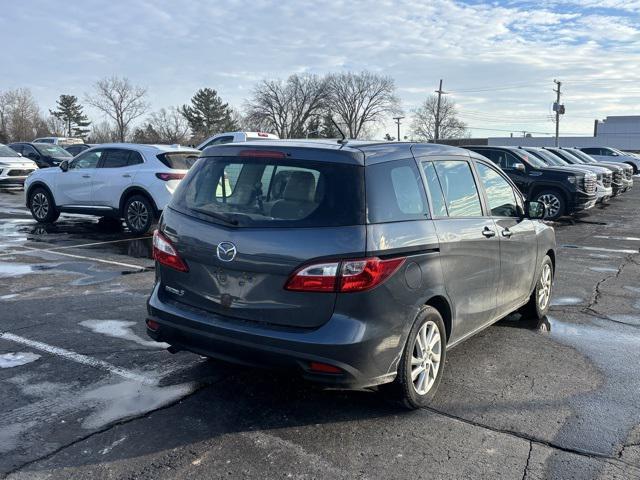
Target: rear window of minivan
[{"x": 268, "y": 192}]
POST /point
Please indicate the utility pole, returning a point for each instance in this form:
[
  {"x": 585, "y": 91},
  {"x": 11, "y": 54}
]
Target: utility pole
[
  {"x": 556, "y": 107},
  {"x": 397, "y": 119},
  {"x": 436, "y": 135}
]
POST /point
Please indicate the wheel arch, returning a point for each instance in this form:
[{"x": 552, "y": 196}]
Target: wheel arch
[
  {"x": 552, "y": 255},
  {"x": 441, "y": 304},
  {"x": 633, "y": 165},
  {"x": 135, "y": 190},
  {"x": 38, "y": 184}
]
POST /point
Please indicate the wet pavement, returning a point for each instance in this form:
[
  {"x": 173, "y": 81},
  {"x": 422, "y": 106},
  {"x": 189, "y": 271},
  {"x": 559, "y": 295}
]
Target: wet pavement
[{"x": 86, "y": 394}]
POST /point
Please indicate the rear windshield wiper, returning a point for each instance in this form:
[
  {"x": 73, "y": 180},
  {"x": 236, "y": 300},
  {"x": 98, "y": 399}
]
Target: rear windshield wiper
[{"x": 217, "y": 216}]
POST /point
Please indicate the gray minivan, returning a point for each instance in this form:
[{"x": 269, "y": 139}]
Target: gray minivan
[{"x": 357, "y": 264}]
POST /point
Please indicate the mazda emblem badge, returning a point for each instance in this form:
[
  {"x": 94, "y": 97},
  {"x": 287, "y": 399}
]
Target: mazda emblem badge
[{"x": 226, "y": 251}]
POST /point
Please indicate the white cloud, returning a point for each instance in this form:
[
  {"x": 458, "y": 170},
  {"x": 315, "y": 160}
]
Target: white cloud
[{"x": 176, "y": 48}]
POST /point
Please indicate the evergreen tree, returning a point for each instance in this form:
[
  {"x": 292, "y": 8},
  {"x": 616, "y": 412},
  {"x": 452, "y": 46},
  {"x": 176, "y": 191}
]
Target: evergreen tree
[
  {"x": 70, "y": 112},
  {"x": 208, "y": 115}
]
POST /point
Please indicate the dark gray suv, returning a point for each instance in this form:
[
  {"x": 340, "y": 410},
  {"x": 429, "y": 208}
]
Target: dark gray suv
[{"x": 357, "y": 264}]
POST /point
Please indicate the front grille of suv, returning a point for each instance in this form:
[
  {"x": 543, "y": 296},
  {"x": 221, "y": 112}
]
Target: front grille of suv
[
  {"x": 628, "y": 174},
  {"x": 590, "y": 184},
  {"x": 606, "y": 180},
  {"x": 18, "y": 173},
  {"x": 617, "y": 177}
]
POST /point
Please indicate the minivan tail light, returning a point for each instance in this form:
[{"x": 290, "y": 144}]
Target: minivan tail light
[
  {"x": 170, "y": 176},
  {"x": 262, "y": 154},
  {"x": 166, "y": 254},
  {"x": 320, "y": 277},
  {"x": 346, "y": 276}
]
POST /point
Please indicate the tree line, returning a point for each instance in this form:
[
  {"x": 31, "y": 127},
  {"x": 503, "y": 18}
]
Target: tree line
[{"x": 311, "y": 106}]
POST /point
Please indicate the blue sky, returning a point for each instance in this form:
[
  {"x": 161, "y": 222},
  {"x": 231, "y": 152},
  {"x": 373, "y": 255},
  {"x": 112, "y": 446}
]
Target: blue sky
[{"x": 498, "y": 59}]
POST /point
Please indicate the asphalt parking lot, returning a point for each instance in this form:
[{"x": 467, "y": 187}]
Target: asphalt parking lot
[{"x": 86, "y": 394}]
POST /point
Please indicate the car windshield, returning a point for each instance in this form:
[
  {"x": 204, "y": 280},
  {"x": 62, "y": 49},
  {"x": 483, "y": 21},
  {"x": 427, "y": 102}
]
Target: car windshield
[
  {"x": 7, "y": 152},
  {"x": 266, "y": 192},
  {"x": 52, "y": 150},
  {"x": 582, "y": 156},
  {"x": 179, "y": 160},
  {"x": 535, "y": 156},
  {"x": 576, "y": 159},
  {"x": 552, "y": 158}
]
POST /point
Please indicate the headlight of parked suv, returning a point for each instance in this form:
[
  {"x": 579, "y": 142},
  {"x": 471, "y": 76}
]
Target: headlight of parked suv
[{"x": 572, "y": 179}]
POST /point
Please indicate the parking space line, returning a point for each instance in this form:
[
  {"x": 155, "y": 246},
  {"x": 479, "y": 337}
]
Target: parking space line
[
  {"x": 630, "y": 239},
  {"x": 93, "y": 259},
  {"x": 599, "y": 249},
  {"x": 79, "y": 358}
]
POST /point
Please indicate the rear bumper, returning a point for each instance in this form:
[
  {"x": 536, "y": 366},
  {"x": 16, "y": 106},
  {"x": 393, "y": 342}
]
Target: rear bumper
[{"x": 343, "y": 342}]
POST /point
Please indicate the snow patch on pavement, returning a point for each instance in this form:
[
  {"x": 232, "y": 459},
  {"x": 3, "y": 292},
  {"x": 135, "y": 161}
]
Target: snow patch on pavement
[
  {"x": 15, "y": 359},
  {"x": 120, "y": 329}
]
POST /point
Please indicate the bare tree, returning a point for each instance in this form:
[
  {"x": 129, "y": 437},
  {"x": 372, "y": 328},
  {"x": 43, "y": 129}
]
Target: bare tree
[
  {"x": 286, "y": 107},
  {"x": 358, "y": 99},
  {"x": 424, "y": 120},
  {"x": 20, "y": 117},
  {"x": 170, "y": 125},
  {"x": 119, "y": 100},
  {"x": 102, "y": 132}
]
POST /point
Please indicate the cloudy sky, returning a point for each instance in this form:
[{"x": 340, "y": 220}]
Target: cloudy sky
[{"x": 497, "y": 59}]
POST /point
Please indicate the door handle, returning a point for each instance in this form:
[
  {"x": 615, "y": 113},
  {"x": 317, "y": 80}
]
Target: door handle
[
  {"x": 126, "y": 175},
  {"x": 507, "y": 233},
  {"x": 487, "y": 232},
  {"x": 86, "y": 176}
]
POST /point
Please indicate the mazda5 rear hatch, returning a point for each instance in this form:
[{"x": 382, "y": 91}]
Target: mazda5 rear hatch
[{"x": 240, "y": 226}]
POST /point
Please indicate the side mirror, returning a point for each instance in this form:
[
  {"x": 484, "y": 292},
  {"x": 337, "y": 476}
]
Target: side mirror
[
  {"x": 520, "y": 167},
  {"x": 33, "y": 156},
  {"x": 535, "y": 210},
  {"x": 19, "y": 154},
  {"x": 64, "y": 165},
  {"x": 614, "y": 154}
]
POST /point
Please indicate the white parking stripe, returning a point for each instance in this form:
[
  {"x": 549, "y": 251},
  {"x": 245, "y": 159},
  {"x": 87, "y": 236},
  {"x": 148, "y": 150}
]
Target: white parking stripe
[
  {"x": 598, "y": 249},
  {"x": 631, "y": 239},
  {"x": 93, "y": 259},
  {"x": 79, "y": 358}
]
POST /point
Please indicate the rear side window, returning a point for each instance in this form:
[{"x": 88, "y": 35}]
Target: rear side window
[
  {"x": 115, "y": 158},
  {"x": 264, "y": 192},
  {"x": 179, "y": 160},
  {"x": 459, "y": 188},
  {"x": 395, "y": 192}
]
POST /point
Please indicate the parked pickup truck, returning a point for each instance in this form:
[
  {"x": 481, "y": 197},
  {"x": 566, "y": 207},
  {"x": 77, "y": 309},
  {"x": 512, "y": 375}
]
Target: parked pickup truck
[{"x": 564, "y": 192}]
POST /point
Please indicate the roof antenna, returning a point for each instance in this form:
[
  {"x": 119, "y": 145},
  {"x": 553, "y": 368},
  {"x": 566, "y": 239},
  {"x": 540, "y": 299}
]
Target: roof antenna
[{"x": 343, "y": 140}]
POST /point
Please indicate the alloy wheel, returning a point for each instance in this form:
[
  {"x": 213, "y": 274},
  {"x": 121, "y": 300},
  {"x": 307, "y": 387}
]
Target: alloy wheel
[
  {"x": 552, "y": 202},
  {"x": 425, "y": 357},
  {"x": 544, "y": 291},
  {"x": 137, "y": 215},
  {"x": 40, "y": 206}
]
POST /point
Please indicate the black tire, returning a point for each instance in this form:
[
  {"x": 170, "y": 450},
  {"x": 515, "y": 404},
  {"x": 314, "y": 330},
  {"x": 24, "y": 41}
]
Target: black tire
[
  {"x": 43, "y": 209},
  {"x": 555, "y": 202},
  {"x": 139, "y": 214},
  {"x": 405, "y": 388},
  {"x": 535, "y": 309}
]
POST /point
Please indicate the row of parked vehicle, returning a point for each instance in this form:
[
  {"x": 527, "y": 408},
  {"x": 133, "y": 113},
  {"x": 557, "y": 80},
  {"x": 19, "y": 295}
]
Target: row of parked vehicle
[{"x": 567, "y": 180}]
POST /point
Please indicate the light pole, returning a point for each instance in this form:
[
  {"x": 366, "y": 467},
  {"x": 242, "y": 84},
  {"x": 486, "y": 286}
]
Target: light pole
[{"x": 397, "y": 119}]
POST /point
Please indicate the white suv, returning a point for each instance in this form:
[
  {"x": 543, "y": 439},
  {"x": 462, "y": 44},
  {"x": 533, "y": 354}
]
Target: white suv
[
  {"x": 120, "y": 180},
  {"x": 14, "y": 169},
  {"x": 236, "y": 137},
  {"x": 608, "y": 154}
]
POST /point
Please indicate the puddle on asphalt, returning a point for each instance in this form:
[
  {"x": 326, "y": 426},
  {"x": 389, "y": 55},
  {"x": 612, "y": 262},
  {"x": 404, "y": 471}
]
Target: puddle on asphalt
[
  {"x": 566, "y": 301},
  {"x": 600, "y": 249},
  {"x": 120, "y": 329},
  {"x": 89, "y": 273},
  {"x": 599, "y": 255},
  {"x": 16, "y": 359}
]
